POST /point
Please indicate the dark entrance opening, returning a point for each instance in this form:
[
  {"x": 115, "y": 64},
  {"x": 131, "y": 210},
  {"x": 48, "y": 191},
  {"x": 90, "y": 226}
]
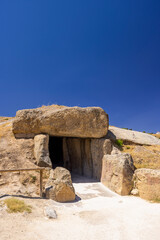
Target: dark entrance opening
[{"x": 56, "y": 151}]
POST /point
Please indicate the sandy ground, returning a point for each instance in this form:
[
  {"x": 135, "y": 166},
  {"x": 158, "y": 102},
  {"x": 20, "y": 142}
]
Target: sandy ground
[{"x": 97, "y": 213}]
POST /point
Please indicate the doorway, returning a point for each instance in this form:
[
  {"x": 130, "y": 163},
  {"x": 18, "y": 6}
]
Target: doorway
[{"x": 56, "y": 151}]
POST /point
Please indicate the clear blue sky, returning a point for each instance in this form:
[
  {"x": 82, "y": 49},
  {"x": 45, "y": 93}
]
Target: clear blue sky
[{"x": 82, "y": 53}]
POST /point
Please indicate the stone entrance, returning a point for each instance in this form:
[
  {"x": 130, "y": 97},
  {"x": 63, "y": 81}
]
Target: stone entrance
[{"x": 82, "y": 156}]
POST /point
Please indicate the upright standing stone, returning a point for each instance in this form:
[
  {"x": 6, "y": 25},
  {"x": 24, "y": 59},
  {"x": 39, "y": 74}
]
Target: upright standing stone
[
  {"x": 41, "y": 152},
  {"x": 117, "y": 173},
  {"x": 99, "y": 147}
]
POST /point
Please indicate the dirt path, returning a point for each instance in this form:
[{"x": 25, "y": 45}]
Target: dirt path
[{"x": 98, "y": 213}]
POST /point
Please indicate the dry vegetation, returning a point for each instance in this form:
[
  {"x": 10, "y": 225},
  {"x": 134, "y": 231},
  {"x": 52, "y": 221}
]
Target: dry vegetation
[
  {"x": 53, "y": 105},
  {"x": 144, "y": 156},
  {"x": 156, "y": 135},
  {"x": 3, "y": 119},
  {"x": 15, "y": 205},
  {"x": 5, "y": 129}
]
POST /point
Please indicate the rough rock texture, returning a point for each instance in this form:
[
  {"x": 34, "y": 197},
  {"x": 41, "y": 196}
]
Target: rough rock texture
[
  {"x": 147, "y": 181},
  {"x": 115, "y": 149},
  {"x": 79, "y": 155},
  {"x": 17, "y": 153},
  {"x": 84, "y": 156},
  {"x": 130, "y": 136},
  {"x": 117, "y": 173},
  {"x": 90, "y": 122},
  {"x": 41, "y": 152},
  {"x": 99, "y": 147},
  {"x": 59, "y": 186},
  {"x": 75, "y": 146}
]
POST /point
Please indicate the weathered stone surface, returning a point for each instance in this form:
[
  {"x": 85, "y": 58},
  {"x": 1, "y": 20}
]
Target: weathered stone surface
[
  {"x": 87, "y": 158},
  {"x": 59, "y": 186},
  {"x": 80, "y": 156},
  {"x": 117, "y": 173},
  {"x": 115, "y": 149},
  {"x": 147, "y": 181},
  {"x": 90, "y": 122},
  {"x": 130, "y": 136},
  {"x": 99, "y": 147},
  {"x": 75, "y": 155},
  {"x": 84, "y": 156},
  {"x": 66, "y": 158},
  {"x": 41, "y": 152}
]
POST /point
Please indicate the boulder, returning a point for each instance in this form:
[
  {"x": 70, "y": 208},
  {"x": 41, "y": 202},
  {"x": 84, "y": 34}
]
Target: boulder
[
  {"x": 117, "y": 173},
  {"x": 147, "y": 182},
  {"x": 89, "y": 122},
  {"x": 130, "y": 136},
  {"x": 41, "y": 152},
  {"x": 59, "y": 186}
]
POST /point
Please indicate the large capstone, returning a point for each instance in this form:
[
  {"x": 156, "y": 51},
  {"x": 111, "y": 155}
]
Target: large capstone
[{"x": 89, "y": 122}]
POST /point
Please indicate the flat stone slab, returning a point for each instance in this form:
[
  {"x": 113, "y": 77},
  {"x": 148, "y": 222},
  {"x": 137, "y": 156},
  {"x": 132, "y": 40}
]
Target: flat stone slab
[
  {"x": 132, "y": 136},
  {"x": 89, "y": 122}
]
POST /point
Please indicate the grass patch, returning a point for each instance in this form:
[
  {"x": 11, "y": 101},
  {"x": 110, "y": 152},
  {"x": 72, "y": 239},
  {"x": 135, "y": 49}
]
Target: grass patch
[
  {"x": 119, "y": 142},
  {"x": 156, "y": 200},
  {"x": 144, "y": 156},
  {"x": 15, "y": 205}
]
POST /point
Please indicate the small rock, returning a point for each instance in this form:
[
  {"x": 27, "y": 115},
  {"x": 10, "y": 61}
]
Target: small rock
[
  {"x": 135, "y": 192},
  {"x": 50, "y": 212}
]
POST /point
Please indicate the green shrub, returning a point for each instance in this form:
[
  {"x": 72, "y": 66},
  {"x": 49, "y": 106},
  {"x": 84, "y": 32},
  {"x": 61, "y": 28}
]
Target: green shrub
[
  {"x": 156, "y": 200},
  {"x": 119, "y": 142}
]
